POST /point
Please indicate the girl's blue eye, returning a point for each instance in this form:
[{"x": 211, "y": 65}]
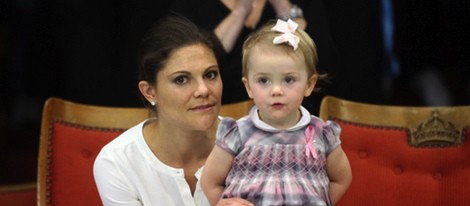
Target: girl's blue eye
[
  {"x": 263, "y": 80},
  {"x": 289, "y": 80}
]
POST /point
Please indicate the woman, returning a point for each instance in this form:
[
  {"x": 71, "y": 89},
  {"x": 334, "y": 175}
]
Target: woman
[{"x": 159, "y": 161}]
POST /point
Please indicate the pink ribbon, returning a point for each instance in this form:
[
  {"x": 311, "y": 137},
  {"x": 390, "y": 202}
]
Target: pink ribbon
[
  {"x": 310, "y": 150},
  {"x": 288, "y": 29}
]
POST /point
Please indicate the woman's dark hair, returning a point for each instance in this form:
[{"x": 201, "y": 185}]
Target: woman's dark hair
[{"x": 166, "y": 36}]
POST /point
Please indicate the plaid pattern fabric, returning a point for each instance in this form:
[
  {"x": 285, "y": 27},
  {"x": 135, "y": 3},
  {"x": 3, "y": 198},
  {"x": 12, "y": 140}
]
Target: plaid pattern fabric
[{"x": 270, "y": 166}]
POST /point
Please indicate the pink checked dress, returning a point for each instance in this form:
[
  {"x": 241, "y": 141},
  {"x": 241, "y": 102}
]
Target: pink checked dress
[{"x": 274, "y": 167}]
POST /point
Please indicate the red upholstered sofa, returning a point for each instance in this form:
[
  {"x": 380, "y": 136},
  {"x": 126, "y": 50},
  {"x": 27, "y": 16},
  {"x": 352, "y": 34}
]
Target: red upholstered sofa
[
  {"x": 404, "y": 155},
  {"x": 398, "y": 155},
  {"x": 72, "y": 134}
]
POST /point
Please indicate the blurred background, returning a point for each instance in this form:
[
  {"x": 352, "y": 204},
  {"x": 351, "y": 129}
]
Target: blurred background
[{"x": 85, "y": 51}]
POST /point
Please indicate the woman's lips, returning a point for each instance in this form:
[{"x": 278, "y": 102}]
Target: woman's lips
[{"x": 203, "y": 108}]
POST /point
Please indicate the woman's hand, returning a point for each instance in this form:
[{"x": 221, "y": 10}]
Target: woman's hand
[
  {"x": 243, "y": 7},
  {"x": 229, "y": 29}
]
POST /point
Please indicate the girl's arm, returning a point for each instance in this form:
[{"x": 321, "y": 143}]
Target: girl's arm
[
  {"x": 339, "y": 172},
  {"x": 215, "y": 171}
]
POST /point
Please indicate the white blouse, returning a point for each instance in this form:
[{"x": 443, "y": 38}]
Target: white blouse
[{"x": 126, "y": 172}]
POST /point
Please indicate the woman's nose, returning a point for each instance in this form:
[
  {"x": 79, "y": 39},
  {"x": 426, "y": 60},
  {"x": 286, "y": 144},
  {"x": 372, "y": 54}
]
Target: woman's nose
[{"x": 202, "y": 89}]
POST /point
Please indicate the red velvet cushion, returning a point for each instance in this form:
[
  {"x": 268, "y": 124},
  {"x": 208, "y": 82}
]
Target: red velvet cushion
[
  {"x": 387, "y": 171},
  {"x": 73, "y": 150}
]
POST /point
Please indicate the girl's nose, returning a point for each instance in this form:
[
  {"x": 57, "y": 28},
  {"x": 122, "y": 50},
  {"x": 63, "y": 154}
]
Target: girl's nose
[{"x": 276, "y": 90}]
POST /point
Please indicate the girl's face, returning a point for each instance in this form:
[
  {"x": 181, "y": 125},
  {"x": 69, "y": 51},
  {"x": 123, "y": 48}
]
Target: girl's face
[
  {"x": 277, "y": 82},
  {"x": 189, "y": 89}
]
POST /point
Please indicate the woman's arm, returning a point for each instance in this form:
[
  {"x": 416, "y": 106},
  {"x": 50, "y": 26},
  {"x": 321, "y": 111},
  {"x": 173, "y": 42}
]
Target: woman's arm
[
  {"x": 229, "y": 29},
  {"x": 215, "y": 171},
  {"x": 339, "y": 173},
  {"x": 282, "y": 7}
]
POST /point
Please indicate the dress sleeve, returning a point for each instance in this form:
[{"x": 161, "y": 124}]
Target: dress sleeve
[
  {"x": 331, "y": 135},
  {"x": 228, "y": 136}
]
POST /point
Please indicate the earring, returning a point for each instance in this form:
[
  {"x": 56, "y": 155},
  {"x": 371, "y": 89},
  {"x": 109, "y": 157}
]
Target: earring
[{"x": 152, "y": 103}]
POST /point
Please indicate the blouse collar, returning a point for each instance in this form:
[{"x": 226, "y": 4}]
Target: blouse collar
[{"x": 260, "y": 124}]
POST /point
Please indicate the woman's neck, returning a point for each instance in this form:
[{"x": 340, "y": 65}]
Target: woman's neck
[{"x": 178, "y": 147}]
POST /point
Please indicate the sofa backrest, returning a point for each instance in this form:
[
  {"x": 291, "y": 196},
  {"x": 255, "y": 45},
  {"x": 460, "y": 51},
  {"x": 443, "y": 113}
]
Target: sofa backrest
[
  {"x": 403, "y": 155},
  {"x": 72, "y": 134}
]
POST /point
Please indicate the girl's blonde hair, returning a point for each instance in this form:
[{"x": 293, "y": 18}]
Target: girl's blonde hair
[{"x": 264, "y": 35}]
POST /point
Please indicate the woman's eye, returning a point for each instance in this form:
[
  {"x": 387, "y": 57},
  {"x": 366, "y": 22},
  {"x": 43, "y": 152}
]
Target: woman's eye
[
  {"x": 212, "y": 75},
  {"x": 181, "y": 80}
]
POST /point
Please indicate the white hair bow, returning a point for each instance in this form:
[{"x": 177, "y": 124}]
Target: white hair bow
[{"x": 288, "y": 29}]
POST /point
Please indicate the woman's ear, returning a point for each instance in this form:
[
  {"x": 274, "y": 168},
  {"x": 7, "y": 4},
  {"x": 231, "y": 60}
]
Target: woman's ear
[
  {"x": 247, "y": 87},
  {"x": 148, "y": 91},
  {"x": 311, "y": 82}
]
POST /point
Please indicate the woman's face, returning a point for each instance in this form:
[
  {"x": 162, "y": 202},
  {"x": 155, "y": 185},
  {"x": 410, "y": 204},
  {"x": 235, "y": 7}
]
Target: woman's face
[{"x": 189, "y": 89}]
